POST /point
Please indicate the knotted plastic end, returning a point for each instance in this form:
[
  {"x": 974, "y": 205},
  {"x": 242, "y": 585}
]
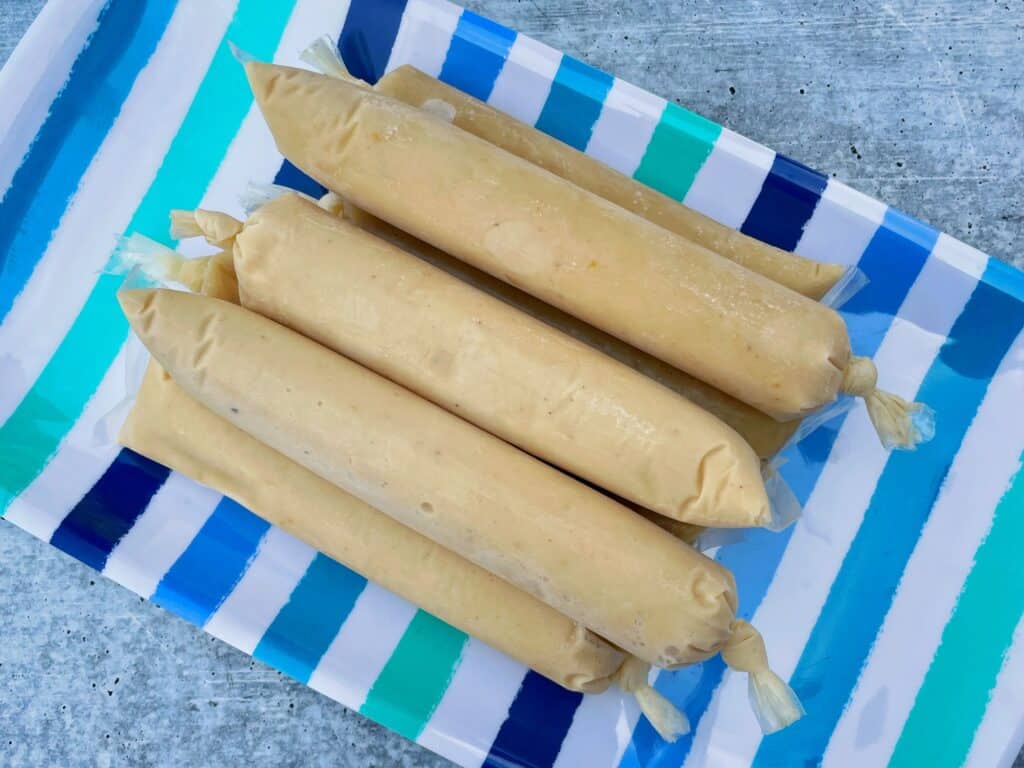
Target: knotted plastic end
[
  {"x": 219, "y": 229},
  {"x": 661, "y": 713},
  {"x": 774, "y": 703},
  {"x": 149, "y": 263},
  {"x": 899, "y": 424}
]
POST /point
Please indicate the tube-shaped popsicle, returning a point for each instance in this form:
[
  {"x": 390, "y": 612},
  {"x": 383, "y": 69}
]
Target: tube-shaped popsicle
[
  {"x": 482, "y": 359},
  {"x": 339, "y": 421},
  {"x": 738, "y": 331},
  {"x": 806, "y": 276},
  {"x": 764, "y": 434}
]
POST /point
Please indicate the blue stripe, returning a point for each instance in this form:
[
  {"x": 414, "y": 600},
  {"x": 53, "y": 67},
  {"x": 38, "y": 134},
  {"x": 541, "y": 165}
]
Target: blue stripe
[
  {"x": 476, "y": 55},
  {"x": 1006, "y": 278},
  {"x": 368, "y": 36},
  {"x": 863, "y": 590},
  {"x": 290, "y": 176},
  {"x": 110, "y": 508},
  {"x": 538, "y": 719},
  {"x": 318, "y": 606},
  {"x": 214, "y": 561},
  {"x": 785, "y": 203},
  {"x": 892, "y": 261},
  {"x": 574, "y": 102},
  {"x": 78, "y": 121}
]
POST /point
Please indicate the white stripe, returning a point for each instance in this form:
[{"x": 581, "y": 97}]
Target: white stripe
[
  {"x": 35, "y": 73},
  {"x": 836, "y": 507},
  {"x": 362, "y": 647},
  {"x": 701, "y": 751},
  {"x": 728, "y": 183},
  {"x": 842, "y": 225},
  {"x": 246, "y": 614},
  {"x": 601, "y": 730},
  {"x": 252, "y": 155},
  {"x": 44, "y": 504},
  {"x": 867, "y": 732},
  {"x": 1000, "y": 737},
  {"x": 474, "y": 706},
  {"x": 173, "y": 518},
  {"x": 625, "y": 126},
  {"x": 525, "y": 81},
  {"x": 960, "y": 255},
  {"x": 424, "y": 35},
  {"x": 108, "y": 195}
]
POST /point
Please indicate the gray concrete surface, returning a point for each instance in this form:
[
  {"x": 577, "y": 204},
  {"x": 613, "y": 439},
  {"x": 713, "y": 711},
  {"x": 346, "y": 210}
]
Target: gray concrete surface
[{"x": 916, "y": 102}]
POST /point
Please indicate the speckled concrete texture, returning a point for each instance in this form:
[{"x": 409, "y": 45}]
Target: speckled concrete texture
[{"x": 919, "y": 103}]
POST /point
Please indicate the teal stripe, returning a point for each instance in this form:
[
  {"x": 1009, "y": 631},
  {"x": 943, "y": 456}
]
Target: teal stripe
[
  {"x": 952, "y": 699},
  {"x": 574, "y": 102},
  {"x": 680, "y": 145},
  {"x": 306, "y": 626},
  {"x": 409, "y": 688},
  {"x": 60, "y": 394}
]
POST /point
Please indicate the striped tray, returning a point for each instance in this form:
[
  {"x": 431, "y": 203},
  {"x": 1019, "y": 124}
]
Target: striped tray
[{"x": 894, "y": 606}]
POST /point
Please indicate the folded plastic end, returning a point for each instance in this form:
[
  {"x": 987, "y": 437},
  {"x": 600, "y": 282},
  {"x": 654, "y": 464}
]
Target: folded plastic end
[
  {"x": 785, "y": 509},
  {"x": 241, "y": 56},
  {"x": 136, "y": 358},
  {"x": 818, "y": 418},
  {"x": 716, "y": 538},
  {"x": 322, "y": 55},
  {"x": 256, "y": 195},
  {"x": 775, "y": 704},
  {"x": 845, "y": 288},
  {"x": 899, "y": 424}
]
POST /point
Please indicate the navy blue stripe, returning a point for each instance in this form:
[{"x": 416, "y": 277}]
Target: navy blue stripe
[
  {"x": 892, "y": 261},
  {"x": 535, "y": 727},
  {"x": 574, "y": 103},
  {"x": 290, "y": 176},
  {"x": 206, "y": 572},
  {"x": 368, "y": 36},
  {"x": 78, "y": 122},
  {"x": 108, "y": 511},
  {"x": 863, "y": 589},
  {"x": 476, "y": 55},
  {"x": 784, "y": 205}
]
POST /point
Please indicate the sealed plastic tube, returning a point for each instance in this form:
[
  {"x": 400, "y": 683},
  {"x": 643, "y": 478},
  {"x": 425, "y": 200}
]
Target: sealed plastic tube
[
  {"x": 738, "y": 331},
  {"x": 764, "y": 434},
  {"x": 206, "y": 348},
  {"x": 508, "y": 373},
  {"x": 410, "y": 85}
]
